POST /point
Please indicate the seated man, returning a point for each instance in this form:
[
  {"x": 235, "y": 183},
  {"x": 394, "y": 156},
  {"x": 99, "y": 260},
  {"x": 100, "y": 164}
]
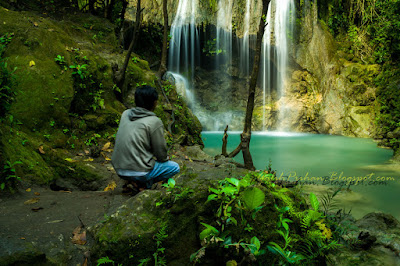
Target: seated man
[{"x": 139, "y": 139}]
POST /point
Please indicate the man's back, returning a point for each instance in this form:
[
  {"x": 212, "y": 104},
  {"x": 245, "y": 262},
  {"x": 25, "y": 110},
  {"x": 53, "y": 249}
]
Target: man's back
[{"x": 140, "y": 137}]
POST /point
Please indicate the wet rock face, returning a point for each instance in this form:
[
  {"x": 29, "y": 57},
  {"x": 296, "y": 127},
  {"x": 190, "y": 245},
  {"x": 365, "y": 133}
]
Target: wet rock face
[
  {"x": 340, "y": 98},
  {"x": 327, "y": 90},
  {"x": 376, "y": 242},
  {"x": 379, "y": 222}
]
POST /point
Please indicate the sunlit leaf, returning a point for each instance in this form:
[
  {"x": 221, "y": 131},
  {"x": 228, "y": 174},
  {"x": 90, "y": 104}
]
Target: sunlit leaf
[
  {"x": 233, "y": 181},
  {"x": 55, "y": 221},
  {"x": 171, "y": 183},
  {"x": 70, "y": 160},
  {"x": 28, "y": 190},
  {"x": 253, "y": 197},
  {"x": 255, "y": 241},
  {"x": 106, "y": 146},
  {"x": 41, "y": 150},
  {"x": 211, "y": 197},
  {"x": 79, "y": 236},
  {"x": 32, "y": 201},
  {"x": 209, "y": 231},
  {"x": 111, "y": 186},
  {"x": 229, "y": 190},
  {"x": 314, "y": 201}
]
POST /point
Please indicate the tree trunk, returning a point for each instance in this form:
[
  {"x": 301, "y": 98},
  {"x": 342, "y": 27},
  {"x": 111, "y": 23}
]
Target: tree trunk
[
  {"x": 109, "y": 8},
  {"x": 225, "y": 142},
  {"x": 245, "y": 137},
  {"x": 163, "y": 65},
  {"x": 119, "y": 74},
  {"x": 123, "y": 11},
  {"x": 91, "y": 6}
]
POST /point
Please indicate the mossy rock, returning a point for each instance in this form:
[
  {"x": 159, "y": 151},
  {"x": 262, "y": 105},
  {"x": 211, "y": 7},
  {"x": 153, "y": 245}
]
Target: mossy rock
[
  {"x": 24, "y": 148},
  {"x": 129, "y": 230}
]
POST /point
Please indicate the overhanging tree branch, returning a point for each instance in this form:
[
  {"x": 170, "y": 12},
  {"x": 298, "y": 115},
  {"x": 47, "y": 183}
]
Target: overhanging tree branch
[
  {"x": 245, "y": 137},
  {"x": 119, "y": 74},
  {"x": 163, "y": 65}
]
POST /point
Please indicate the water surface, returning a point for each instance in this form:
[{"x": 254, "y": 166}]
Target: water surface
[{"x": 325, "y": 160}]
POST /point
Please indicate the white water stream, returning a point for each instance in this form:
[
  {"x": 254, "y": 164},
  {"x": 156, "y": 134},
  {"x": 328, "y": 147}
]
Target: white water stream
[{"x": 185, "y": 49}]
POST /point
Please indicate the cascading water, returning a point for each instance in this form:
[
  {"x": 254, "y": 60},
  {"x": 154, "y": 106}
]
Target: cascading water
[
  {"x": 275, "y": 53},
  {"x": 224, "y": 33},
  {"x": 184, "y": 47},
  {"x": 266, "y": 66},
  {"x": 244, "y": 44}
]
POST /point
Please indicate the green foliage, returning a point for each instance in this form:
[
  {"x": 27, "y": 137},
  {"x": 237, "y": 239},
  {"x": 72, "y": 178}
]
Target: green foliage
[
  {"x": 388, "y": 97},
  {"x": 7, "y": 79},
  {"x": 253, "y": 197},
  {"x": 104, "y": 260},
  {"x": 98, "y": 101},
  {"x": 60, "y": 60},
  {"x": 8, "y": 175},
  {"x": 158, "y": 255},
  {"x": 174, "y": 193},
  {"x": 167, "y": 88},
  {"x": 151, "y": 40},
  {"x": 210, "y": 231},
  {"x": 88, "y": 89},
  {"x": 236, "y": 201},
  {"x": 337, "y": 17},
  {"x": 80, "y": 71},
  {"x": 370, "y": 23},
  {"x": 93, "y": 140},
  {"x": 135, "y": 59},
  {"x": 210, "y": 48},
  {"x": 314, "y": 202}
]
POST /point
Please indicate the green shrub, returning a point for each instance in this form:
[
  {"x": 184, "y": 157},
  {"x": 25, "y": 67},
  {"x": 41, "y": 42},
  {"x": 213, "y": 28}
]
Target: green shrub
[{"x": 7, "y": 79}]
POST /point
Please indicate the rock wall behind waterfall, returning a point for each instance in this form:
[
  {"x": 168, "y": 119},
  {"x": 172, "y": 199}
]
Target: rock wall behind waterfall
[
  {"x": 204, "y": 14},
  {"x": 328, "y": 90},
  {"x": 331, "y": 92}
]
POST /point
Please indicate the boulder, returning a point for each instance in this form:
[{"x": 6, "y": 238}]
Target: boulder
[{"x": 196, "y": 153}]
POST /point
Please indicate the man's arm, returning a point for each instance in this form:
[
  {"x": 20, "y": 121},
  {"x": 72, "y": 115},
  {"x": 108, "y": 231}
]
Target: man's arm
[{"x": 159, "y": 145}]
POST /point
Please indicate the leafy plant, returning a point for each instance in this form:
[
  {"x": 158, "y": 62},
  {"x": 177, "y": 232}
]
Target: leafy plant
[
  {"x": 93, "y": 140},
  {"x": 98, "y": 100},
  {"x": 60, "y": 60},
  {"x": 174, "y": 193},
  {"x": 253, "y": 197},
  {"x": 9, "y": 177},
  {"x": 80, "y": 70},
  {"x": 7, "y": 78},
  {"x": 105, "y": 260},
  {"x": 210, "y": 48},
  {"x": 159, "y": 258}
]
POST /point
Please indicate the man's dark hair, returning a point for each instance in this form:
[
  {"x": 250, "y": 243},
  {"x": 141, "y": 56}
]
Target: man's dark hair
[{"x": 145, "y": 96}]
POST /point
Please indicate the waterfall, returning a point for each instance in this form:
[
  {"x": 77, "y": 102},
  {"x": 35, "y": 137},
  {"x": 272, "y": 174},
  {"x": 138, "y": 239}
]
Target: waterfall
[
  {"x": 184, "y": 46},
  {"x": 244, "y": 45},
  {"x": 224, "y": 33},
  {"x": 277, "y": 37},
  {"x": 184, "y": 54},
  {"x": 266, "y": 67}
]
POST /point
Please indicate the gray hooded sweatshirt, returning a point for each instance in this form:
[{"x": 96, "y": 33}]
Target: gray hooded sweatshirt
[{"x": 140, "y": 137}]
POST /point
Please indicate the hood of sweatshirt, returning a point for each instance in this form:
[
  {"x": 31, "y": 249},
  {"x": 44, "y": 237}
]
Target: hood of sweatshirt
[{"x": 139, "y": 112}]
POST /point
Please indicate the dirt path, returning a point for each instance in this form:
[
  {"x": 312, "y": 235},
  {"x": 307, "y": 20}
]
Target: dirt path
[
  {"x": 48, "y": 224},
  {"x": 37, "y": 223}
]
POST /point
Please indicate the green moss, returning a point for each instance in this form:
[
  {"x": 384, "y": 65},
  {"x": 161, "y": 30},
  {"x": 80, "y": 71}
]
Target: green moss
[{"x": 33, "y": 167}]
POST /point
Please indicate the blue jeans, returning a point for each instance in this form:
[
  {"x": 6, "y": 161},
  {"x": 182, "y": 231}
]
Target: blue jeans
[{"x": 160, "y": 172}]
